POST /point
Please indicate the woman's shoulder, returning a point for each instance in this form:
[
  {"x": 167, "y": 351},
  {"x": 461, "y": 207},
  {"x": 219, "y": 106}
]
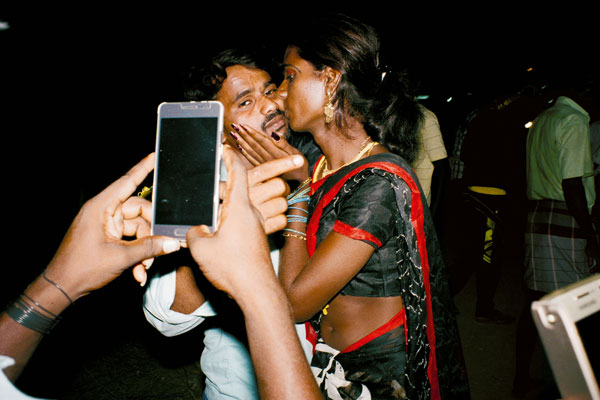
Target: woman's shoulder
[
  {"x": 384, "y": 171},
  {"x": 384, "y": 164},
  {"x": 371, "y": 175}
]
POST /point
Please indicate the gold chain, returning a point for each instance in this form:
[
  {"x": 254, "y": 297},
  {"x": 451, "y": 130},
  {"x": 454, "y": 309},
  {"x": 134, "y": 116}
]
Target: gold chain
[{"x": 322, "y": 169}]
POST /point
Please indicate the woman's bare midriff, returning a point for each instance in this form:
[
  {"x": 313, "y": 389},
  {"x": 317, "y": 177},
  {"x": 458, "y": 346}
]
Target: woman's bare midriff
[{"x": 350, "y": 318}]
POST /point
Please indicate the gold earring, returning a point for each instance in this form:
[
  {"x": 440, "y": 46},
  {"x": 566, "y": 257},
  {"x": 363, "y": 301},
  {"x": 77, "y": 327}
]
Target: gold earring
[{"x": 328, "y": 109}]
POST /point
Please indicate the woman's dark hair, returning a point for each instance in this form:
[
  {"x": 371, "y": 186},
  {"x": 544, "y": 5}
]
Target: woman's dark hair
[
  {"x": 378, "y": 97},
  {"x": 203, "y": 81}
]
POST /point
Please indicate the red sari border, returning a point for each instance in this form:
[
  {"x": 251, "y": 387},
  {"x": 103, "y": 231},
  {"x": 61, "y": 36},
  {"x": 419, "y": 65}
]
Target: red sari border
[
  {"x": 397, "y": 320},
  {"x": 355, "y": 233}
]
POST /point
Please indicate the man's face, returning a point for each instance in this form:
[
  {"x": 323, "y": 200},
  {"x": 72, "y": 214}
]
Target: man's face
[{"x": 249, "y": 97}]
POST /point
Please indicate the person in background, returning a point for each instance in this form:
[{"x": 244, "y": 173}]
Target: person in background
[
  {"x": 484, "y": 198},
  {"x": 561, "y": 243},
  {"x": 431, "y": 155}
]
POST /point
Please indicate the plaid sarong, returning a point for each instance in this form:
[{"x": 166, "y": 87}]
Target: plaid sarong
[{"x": 554, "y": 247}]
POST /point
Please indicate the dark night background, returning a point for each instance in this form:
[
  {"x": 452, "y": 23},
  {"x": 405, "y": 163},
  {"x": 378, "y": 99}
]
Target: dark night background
[{"x": 79, "y": 90}]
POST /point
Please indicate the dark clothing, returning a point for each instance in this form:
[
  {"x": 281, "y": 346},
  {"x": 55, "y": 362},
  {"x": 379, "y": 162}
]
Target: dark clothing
[
  {"x": 373, "y": 365},
  {"x": 378, "y": 200}
]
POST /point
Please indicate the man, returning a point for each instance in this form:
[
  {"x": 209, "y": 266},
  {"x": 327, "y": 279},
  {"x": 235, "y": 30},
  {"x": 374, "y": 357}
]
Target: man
[
  {"x": 561, "y": 245},
  {"x": 560, "y": 175},
  {"x": 173, "y": 302}
]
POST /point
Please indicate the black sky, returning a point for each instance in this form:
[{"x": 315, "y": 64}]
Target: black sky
[{"x": 80, "y": 87}]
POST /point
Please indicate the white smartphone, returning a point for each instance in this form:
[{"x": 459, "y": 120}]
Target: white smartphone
[{"x": 185, "y": 191}]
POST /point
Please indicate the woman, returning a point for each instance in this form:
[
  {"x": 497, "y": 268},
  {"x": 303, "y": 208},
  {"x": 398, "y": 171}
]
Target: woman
[{"x": 356, "y": 260}]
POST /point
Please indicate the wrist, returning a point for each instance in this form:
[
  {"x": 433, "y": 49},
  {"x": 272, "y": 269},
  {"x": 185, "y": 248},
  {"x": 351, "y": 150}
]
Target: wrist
[
  {"x": 39, "y": 307},
  {"x": 269, "y": 297},
  {"x": 298, "y": 175},
  {"x": 48, "y": 295}
]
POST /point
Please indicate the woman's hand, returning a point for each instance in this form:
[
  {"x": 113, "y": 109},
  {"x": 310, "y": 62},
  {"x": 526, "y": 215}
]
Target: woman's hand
[{"x": 258, "y": 149}]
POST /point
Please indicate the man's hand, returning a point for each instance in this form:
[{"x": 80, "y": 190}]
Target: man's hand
[
  {"x": 236, "y": 257},
  {"x": 267, "y": 190},
  {"x": 93, "y": 252}
]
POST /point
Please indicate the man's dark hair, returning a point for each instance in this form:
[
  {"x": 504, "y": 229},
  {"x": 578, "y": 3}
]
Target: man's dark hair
[{"x": 203, "y": 82}]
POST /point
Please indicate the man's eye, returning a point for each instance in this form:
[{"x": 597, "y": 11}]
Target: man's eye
[{"x": 245, "y": 103}]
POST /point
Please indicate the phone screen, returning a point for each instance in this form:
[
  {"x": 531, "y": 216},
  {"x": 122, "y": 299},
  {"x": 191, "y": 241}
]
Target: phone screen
[{"x": 186, "y": 171}]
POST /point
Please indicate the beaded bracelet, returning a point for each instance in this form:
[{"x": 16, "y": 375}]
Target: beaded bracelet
[
  {"x": 300, "y": 194},
  {"x": 296, "y": 218},
  {"x": 297, "y": 208},
  {"x": 298, "y": 199}
]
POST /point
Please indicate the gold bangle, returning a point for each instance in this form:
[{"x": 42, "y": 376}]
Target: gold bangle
[
  {"x": 294, "y": 235},
  {"x": 309, "y": 180}
]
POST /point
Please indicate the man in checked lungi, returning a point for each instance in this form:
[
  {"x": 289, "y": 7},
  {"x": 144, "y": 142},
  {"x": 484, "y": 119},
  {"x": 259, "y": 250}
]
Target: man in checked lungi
[{"x": 561, "y": 244}]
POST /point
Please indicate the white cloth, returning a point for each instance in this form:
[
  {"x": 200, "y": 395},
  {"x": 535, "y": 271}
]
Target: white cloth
[
  {"x": 7, "y": 390},
  {"x": 225, "y": 361},
  {"x": 333, "y": 375}
]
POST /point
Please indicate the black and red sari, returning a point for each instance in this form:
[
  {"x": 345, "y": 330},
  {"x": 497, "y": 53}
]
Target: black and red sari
[{"x": 416, "y": 355}]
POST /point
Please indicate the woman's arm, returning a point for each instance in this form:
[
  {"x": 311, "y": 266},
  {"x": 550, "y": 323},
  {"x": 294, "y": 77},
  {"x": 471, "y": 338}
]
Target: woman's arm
[
  {"x": 369, "y": 207},
  {"x": 311, "y": 283},
  {"x": 335, "y": 262}
]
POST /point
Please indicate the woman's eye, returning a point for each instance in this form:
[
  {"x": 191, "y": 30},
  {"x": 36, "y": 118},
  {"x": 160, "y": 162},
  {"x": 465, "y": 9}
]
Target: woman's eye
[{"x": 289, "y": 75}]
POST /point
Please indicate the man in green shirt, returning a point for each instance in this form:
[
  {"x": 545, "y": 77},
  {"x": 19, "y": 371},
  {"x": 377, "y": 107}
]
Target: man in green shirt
[{"x": 561, "y": 245}]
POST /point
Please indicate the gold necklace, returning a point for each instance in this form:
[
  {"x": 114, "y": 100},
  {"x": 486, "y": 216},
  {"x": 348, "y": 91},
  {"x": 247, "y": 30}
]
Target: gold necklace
[{"x": 322, "y": 170}]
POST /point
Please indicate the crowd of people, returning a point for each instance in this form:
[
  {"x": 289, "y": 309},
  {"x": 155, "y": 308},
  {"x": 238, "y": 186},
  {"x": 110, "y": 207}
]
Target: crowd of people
[{"x": 328, "y": 276}]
